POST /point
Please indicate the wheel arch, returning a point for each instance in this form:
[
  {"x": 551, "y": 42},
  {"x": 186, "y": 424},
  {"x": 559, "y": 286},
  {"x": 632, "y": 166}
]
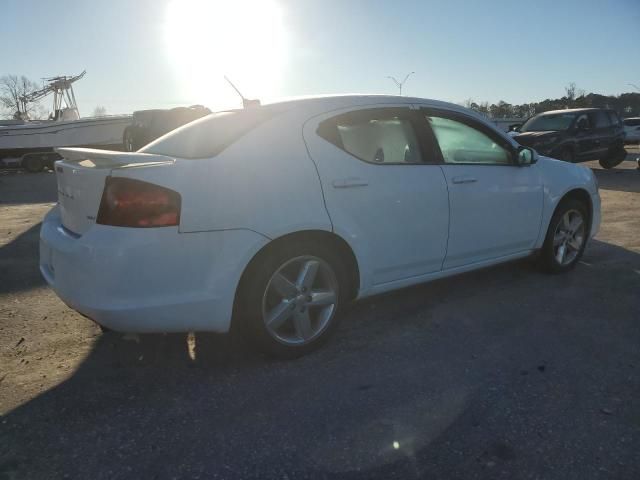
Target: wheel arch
[
  {"x": 324, "y": 237},
  {"x": 581, "y": 195},
  {"x": 577, "y": 193}
]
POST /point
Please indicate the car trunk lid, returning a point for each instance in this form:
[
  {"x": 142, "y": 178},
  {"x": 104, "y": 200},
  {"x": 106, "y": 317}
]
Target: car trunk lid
[{"x": 81, "y": 177}]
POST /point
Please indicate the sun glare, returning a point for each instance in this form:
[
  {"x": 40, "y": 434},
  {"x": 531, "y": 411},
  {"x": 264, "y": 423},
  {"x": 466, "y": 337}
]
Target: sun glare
[{"x": 243, "y": 39}]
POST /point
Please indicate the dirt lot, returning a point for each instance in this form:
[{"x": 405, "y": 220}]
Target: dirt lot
[{"x": 502, "y": 373}]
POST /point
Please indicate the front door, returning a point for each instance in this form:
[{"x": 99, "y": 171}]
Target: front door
[
  {"x": 381, "y": 191},
  {"x": 495, "y": 205}
]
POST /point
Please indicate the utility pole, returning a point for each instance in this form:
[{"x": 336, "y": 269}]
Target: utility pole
[{"x": 400, "y": 84}]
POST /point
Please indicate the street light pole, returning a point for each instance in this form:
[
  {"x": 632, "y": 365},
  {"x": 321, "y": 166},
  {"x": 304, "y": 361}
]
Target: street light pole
[
  {"x": 638, "y": 158},
  {"x": 400, "y": 84}
]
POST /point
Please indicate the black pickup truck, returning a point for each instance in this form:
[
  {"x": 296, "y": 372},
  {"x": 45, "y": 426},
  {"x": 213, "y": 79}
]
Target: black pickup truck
[
  {"x": 148, "y": 125},
  {"x": 575, "y": 135}
]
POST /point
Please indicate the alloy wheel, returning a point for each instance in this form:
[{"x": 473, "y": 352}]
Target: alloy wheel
[
  {"x": 569, "y": 237},
  {"x": 300, "y": 300}
]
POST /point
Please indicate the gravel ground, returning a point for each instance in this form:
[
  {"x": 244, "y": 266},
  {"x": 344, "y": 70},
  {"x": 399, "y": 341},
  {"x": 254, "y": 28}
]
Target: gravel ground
[{"x": 502, "y": 373}]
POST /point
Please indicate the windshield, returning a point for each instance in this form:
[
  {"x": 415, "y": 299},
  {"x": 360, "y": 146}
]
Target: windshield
[
  {"x": 208, "y": 136},
  {"x": 548, "y": 123}
]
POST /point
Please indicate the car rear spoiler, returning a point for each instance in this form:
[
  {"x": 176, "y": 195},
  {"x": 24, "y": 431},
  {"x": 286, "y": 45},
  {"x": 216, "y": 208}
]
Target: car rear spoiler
[{"x": 111, "y": 157}]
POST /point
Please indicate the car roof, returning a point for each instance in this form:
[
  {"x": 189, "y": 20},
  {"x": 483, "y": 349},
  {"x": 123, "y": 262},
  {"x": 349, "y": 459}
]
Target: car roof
[
  {"x": 331, "y": 102},
  {"x": 574, "y": 110},
  {"x": 318, "y": 104}
]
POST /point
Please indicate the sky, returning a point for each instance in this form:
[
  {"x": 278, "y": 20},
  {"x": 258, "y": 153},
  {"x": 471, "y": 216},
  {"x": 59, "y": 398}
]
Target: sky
[{"x": 165, "y": 53}]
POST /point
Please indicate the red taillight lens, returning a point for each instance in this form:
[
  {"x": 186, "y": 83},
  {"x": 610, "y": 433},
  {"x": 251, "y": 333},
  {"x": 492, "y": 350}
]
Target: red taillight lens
[{"x": 133, "y": 203}]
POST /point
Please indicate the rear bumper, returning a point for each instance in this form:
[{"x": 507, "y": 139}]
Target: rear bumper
[{"x": 147, "y": 280}]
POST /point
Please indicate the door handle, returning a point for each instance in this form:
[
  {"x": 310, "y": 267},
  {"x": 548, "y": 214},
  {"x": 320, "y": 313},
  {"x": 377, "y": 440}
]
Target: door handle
[
  {"x": 464, "y": 179},
  {"x": 350, "y": 182}
]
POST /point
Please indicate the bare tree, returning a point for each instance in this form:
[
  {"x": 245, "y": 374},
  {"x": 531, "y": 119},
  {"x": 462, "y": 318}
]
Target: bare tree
[
  {"x": 99, "y": 111},
  {"x": 571, "y": 92},
  {"x": 12, "y": 92}
]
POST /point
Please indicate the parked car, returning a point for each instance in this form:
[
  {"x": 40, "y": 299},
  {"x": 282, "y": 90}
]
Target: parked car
[
  {"x": 576, "y": 135},
  {"x": 632, "y": 130},
  {"x": 148, "y": 125},
  {"x": 273, "y": 218}
]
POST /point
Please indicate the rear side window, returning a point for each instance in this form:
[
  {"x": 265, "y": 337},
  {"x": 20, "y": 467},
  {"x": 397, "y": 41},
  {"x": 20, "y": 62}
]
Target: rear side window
[
  {"x": 601, "y": 119},
  {"x": 208, "y": 136},
  {"x": 375, "y": 136},
  {"x": 613, "y": 116}
]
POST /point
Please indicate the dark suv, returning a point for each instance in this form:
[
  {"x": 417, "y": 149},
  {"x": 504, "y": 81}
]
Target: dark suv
[{"x": 575, "y": 135}]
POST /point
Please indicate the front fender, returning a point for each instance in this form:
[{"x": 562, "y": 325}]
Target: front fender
[{"x": 559, "y": 178}]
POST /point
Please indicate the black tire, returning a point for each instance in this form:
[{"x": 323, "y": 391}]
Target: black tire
[
  {"x": 547, "y": 258},
  {"x": 567, "y": 155},
  {"x": 33, "y": 163},
  {"x": 614, "y": 158},
  {"x": 248, "y": 311}
]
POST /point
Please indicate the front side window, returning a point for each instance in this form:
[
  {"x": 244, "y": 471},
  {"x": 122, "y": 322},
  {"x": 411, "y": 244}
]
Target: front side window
[
  {"x": 552, "y": 122},
  {"x": 601, "y": 120},
  {"x": 583, "y": 122},
  {"x": 462, "y": 143},
  {"x": 383, "y": 136}
]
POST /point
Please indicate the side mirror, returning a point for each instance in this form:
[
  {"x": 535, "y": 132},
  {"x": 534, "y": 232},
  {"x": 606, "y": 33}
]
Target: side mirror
[
  {"x": 527, "y": 156},
  {"x": 515, "y": 127}
]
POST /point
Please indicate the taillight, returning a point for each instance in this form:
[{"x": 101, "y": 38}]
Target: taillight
[{"x": 132, "y": 203}]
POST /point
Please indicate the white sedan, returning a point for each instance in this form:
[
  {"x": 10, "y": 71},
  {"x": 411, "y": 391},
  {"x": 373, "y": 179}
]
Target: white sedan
[{"x": 274, "y": 217}]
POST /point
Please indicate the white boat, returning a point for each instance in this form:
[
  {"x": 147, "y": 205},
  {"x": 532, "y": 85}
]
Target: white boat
[
  {"x": 93, "y": 131},
  {"x": 31, "y": 143}
]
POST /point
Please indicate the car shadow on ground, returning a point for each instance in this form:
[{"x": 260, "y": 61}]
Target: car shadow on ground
[
  {"x": 504, "y": 369},
  {"x": 42, "y": 187},
  {"x": 19, "y": 262},
  {"x": 621, "y": 180}
]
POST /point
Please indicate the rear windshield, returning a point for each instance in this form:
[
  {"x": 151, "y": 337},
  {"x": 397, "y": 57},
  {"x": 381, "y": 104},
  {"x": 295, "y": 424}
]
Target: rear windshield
[
  {"x": 208, "y": 136},
  {"x": 547, "y": 123},
  {"x": 632, "y": 122}
]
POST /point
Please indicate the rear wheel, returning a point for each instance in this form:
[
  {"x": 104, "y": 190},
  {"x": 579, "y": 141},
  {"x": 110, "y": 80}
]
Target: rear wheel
[
  {"x": 289, "y": 300},
  {"x": 566, "y": 237},
  {"x": 614, "y": 158}
]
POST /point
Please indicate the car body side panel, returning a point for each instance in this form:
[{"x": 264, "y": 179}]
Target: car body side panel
[
  {"x": 264, "y": 182},
  {"x": 395, "y": 216},
  {"x": 559, "y": 178},
  {"x": 147, "y": 279}
]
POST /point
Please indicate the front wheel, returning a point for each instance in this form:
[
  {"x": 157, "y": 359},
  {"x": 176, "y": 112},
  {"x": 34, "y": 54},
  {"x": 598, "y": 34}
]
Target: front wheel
[
  {"x": 566, "y": 237},
  {"x": 289, "y": 301}
]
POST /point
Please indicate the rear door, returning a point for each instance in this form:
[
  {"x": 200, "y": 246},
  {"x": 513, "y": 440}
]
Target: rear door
[
  {"x": 383, "y": 190},
  {"x": 495, "y": 205},
  {"x": 601, "y": 133},
  {"x": 585, "y": 138}
]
